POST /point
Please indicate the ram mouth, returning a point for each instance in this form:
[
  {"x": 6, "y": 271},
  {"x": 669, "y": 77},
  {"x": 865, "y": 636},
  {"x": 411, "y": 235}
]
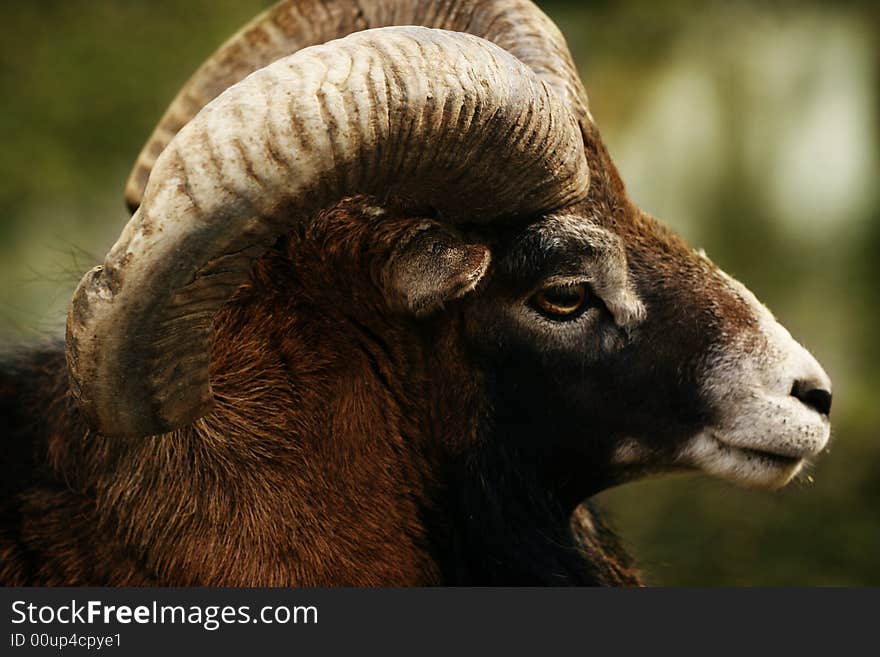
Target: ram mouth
[{"x": 763, "y": 456}]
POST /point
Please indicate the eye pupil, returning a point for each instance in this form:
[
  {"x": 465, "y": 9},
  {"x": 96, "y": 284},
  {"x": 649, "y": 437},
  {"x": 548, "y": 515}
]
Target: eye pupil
[
  {"x": 563, "y": 296},
  {"x": 561, "y": 301}
]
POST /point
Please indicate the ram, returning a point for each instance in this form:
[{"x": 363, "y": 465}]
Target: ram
[{"x": 384, "y": 314}]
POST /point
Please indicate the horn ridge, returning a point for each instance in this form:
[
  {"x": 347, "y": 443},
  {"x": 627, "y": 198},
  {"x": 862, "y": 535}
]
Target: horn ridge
[
  {"x": 291, "y": 139},
  {"x": 517, "y": 26}
]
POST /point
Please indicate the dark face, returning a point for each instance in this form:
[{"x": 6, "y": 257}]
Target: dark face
[
  {"x": 560, "y": 328},
  {"x": 614, "y": 355},
  {"x": 614, "y": 350}
]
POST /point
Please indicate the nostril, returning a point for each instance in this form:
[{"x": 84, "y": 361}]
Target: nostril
[{"x": 816, "y": 398}]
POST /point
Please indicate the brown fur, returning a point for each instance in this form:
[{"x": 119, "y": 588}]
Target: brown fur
[
  {"x": 315, "y": 468},
  {"x": 355, "y": 444}
]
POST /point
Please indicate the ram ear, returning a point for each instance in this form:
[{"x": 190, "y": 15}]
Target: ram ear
[{"x": 430, "y": 266}]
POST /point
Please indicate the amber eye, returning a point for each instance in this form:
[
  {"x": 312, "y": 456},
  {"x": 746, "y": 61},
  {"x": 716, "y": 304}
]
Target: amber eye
[{"x": 562, "y": 301}]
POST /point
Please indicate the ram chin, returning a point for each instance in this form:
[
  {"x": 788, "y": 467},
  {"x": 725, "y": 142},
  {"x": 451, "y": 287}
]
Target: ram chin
[{"x": 750, "y": 467}]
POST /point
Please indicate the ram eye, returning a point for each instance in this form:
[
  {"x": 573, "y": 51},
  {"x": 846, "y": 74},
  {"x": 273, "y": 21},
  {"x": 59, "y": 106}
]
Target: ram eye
[{"x": 562, "y": 302}]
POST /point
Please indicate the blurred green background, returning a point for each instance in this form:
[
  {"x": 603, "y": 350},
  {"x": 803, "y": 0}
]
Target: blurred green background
[{"x": 751, "y": 127}]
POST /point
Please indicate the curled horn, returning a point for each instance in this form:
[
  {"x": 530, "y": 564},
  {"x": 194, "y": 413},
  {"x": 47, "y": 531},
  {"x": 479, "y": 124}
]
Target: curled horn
[
  {"x": 518, "y": 26},
  {"x": 404, "y": 110}
]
